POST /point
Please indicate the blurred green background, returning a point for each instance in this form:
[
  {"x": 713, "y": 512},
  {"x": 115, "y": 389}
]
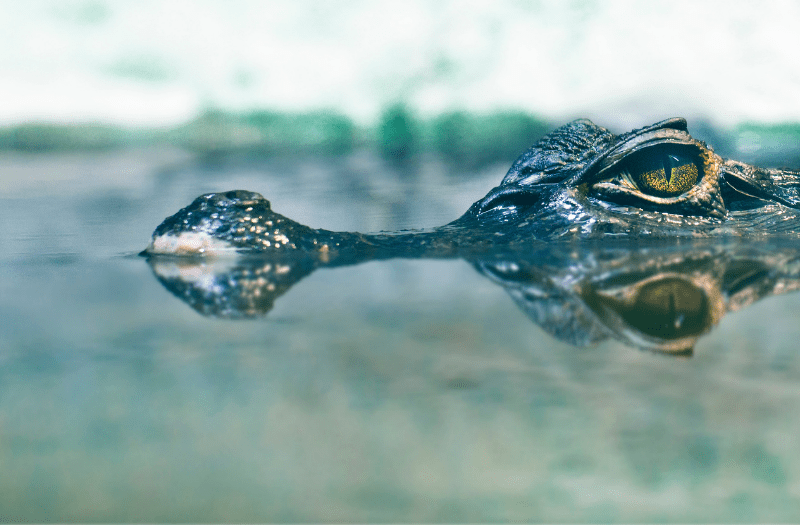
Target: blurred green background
[{"x": 470, "y": 82}]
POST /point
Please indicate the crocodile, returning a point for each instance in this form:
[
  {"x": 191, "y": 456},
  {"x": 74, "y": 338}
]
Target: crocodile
[
  {"x": 580, "y": 182},
  {"x": 644, "y": 237}
]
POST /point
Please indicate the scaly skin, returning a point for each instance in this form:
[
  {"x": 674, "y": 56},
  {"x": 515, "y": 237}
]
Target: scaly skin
[
  {"x": 579, "y": 182},
  {"x": 613, "y": 193}
]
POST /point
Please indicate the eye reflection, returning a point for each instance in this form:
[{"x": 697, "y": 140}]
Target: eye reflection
[{"x": 668, "y": 308}]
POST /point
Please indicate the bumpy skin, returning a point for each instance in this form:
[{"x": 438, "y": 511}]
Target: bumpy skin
[{"x": 579, "y": 182}]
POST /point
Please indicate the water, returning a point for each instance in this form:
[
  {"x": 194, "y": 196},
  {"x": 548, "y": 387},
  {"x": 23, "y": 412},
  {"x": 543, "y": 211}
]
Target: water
[{"x": 402, "y": 390}]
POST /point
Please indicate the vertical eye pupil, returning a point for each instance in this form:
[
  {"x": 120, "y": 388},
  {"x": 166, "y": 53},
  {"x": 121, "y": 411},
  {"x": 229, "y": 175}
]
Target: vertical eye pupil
[
  {"x": 655, "y": 180},
  {"x": 665, "y": 175}
]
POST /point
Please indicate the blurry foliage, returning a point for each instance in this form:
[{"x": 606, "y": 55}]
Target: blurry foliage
[
  {"x": 463, "y": 140},
  {"x": 323, "y": 133},
  {"x": 398, "y": 134},
  {"x": 42, "y": 137},
  {"x": 476, "y": 140},
  {"x": 769, "y": 145},
  {"x": 786, "y": 130}
]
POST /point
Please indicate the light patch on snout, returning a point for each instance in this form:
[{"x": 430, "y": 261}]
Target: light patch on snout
[{"x": 189, "y": 243}]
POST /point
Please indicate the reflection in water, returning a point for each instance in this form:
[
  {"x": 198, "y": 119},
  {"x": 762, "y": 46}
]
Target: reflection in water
[
  {"x": 660, "y": 297},
  {"x": 426, "y": 397}
]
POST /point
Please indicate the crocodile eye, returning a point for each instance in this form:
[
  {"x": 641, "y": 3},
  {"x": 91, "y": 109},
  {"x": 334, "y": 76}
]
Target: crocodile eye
[
  {"x": 662, "y": 174},
  {"x": 658, "y": 176},
  {"x": 679, "y": 178}
]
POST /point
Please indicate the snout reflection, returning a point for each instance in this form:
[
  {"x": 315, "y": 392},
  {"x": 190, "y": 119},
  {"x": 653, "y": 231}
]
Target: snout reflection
[{"x": 659, "y": 298}]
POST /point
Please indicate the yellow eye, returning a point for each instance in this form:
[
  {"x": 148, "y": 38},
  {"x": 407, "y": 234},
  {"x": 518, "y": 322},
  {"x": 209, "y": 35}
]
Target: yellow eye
[
  {"x": 672, "y": 178},
  {"x": 664, "y": 175}
]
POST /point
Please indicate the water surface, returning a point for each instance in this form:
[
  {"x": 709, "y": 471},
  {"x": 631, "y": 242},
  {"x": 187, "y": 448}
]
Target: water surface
[{"x": 401, "y": 390}]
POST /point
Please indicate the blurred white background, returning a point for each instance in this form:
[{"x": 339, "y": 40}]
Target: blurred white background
[{"x": 622, "y": 63}]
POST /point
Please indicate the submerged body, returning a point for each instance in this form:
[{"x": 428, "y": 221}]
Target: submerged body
[{"x": 579, "y": 182}]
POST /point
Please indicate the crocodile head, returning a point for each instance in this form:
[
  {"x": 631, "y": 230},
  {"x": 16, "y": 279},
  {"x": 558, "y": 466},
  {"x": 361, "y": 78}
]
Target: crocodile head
[
  {"x": 579, "y": 182},
  {"x": 582, "y": 181}
]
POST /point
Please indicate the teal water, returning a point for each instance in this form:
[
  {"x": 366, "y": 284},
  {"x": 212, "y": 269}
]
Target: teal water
[{"x": 389, "y": 391}]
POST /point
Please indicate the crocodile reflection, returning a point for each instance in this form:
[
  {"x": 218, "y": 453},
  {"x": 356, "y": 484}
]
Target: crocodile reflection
[{"x": 659, "y": 297}]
